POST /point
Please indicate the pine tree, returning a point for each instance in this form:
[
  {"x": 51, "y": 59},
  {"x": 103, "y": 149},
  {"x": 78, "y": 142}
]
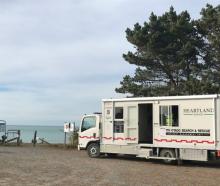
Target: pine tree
[
  {"x": 209, "y": 28},
  {"x": 172, "y": 55}
]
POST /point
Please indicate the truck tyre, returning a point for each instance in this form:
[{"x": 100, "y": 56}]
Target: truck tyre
[
  {"x": 93, "y": 150},
  {"x": 169, "y": 153}
]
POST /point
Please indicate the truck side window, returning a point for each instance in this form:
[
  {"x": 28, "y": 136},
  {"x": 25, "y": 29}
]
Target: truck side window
[
  {"x": 118, "y": 120},
  {"x": 169, "y": 115},
  {"x": 118, "y": 126},
  {"x": 88, "y": 122},
  {"x": 118, "y": 112}
]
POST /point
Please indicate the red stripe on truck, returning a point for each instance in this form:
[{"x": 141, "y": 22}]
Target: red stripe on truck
[
  {"x": 89, "y": 137},
  {"x": 184, "y": 141},
  {"x": 158, "y": 140},
  {"x": 107, "y": 138}
]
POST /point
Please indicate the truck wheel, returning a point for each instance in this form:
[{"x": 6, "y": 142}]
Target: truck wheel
[
  {"x": 169, "y": 153},
  {"x": 93, "y": 150}
]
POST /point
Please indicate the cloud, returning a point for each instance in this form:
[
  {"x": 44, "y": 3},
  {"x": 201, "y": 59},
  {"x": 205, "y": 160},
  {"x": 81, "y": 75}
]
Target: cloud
[{"x": 60, "y": 58}]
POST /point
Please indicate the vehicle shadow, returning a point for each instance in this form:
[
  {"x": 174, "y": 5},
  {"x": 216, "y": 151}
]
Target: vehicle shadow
[
  {"x": 210, "y": 164},
  {"x": 6, "y": 152},
  {"x": 185, "y": 163}
]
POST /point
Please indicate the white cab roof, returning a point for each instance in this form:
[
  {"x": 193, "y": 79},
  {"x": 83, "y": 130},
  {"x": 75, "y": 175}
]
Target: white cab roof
[{"x": 163, "y": 98}]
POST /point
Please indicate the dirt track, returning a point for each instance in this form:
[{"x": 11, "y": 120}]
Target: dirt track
[{"x": 57, "y": 166}]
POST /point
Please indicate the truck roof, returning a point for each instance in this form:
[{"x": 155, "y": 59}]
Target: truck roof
[{"x": 211, "y": 96}]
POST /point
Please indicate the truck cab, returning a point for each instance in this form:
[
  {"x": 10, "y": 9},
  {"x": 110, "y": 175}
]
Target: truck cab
[{"x": 89, "y": 132}]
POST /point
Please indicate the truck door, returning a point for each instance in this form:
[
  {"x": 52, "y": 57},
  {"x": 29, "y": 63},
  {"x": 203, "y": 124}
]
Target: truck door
[
  {"x": 89, "y": 130},
  {"x": 120, "y": 126},
  {"x": 132, "y": 124}
]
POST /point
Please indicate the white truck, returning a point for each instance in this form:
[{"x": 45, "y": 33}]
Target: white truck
[{"x": 171, "y": 128}]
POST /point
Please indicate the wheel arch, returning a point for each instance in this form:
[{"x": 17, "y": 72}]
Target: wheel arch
[
  {"x": 90, "y": 142},
  {"x": 175, "y": 150}
]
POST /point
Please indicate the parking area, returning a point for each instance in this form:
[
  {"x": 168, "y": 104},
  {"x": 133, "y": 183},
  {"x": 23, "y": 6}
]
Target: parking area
[{"x": 44, "y": 165}]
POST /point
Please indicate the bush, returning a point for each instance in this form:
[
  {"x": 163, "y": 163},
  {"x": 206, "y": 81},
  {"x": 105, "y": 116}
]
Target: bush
[{"x": 73, "y": 140}]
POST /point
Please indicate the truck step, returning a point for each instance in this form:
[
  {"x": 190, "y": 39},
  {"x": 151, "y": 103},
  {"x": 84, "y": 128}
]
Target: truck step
[
  {"x": 144, "y": 153},
  {"x": 161, "y": 158}
]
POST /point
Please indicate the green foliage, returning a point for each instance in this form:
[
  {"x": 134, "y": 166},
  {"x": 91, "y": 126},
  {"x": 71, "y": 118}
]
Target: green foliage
[{"x": 175, "y": 55}]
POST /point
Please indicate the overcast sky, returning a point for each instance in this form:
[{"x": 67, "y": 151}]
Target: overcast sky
[{"x": 60, "y": 58}]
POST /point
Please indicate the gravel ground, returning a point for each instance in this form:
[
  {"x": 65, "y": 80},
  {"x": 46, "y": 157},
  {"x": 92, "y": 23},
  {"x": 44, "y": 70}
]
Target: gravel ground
[{"x": 45, "y": 165}]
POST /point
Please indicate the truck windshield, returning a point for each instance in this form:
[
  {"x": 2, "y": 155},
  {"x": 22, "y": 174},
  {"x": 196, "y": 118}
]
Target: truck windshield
[{"x": 88, "y": 122}]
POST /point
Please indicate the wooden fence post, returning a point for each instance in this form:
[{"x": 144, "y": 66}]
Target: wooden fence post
[{"x": 35, "y": 138}]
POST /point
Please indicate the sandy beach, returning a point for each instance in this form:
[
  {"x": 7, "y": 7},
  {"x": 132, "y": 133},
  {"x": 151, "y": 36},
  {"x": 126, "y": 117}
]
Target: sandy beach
[{"x": 45, "y": 165}]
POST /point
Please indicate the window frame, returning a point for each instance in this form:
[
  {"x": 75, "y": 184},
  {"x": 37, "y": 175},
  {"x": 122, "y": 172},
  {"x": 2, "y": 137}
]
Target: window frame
[
  {"x": 122, "y": 113},
  {"x": 119, "y": 121},
  {"x": 169, "y": 106},
  {"x": 90, "y": 127},
  {"x": 121, "y": 126}
]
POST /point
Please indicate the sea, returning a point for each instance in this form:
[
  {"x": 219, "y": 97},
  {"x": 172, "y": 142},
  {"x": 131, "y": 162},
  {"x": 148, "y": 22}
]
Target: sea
[{"x": 51, "y": 134}]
